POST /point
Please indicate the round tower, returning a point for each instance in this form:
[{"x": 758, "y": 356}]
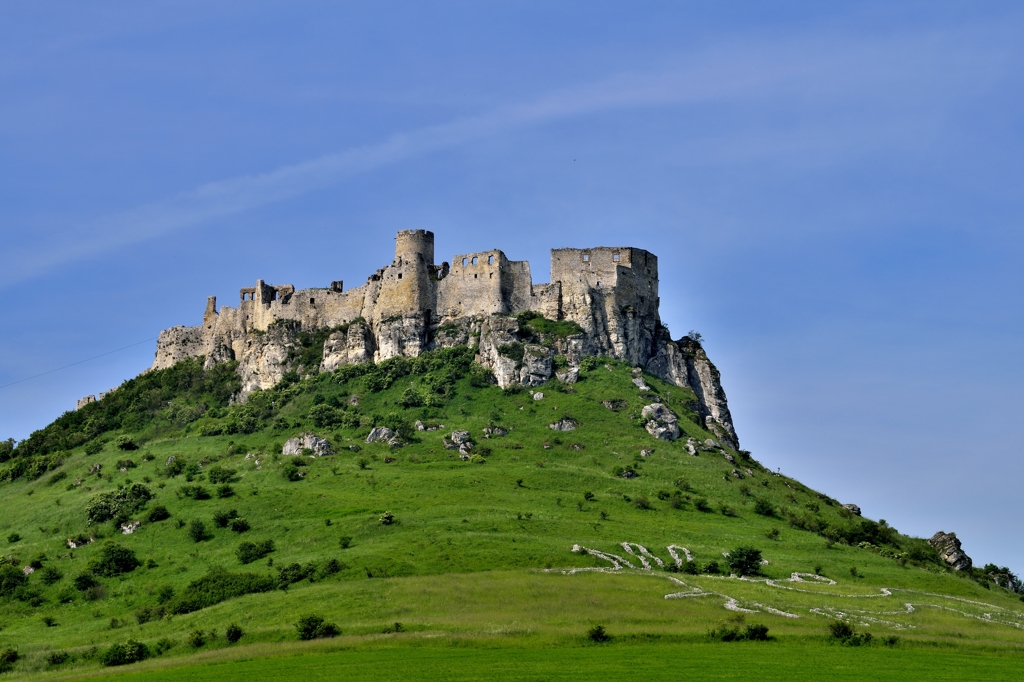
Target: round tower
[{"x": 415, "y": 246}]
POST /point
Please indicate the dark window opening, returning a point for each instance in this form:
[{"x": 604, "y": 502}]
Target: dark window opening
[
  {"x": 490, "y": 260},
  {"x": 474, "y": 275},
  {"x": 464, "y": 262},
  {"x": 475, "y": 259},
  {"x": 312, "y": 301},
  {"x": 399, "y": 275}
]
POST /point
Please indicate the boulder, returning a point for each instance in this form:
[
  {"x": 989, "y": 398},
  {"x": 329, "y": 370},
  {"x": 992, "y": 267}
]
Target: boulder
[
  {"x": 379, "y": 433},
  {"x": 130, "y": 527},
  {"x": 853, "y": 508},
  {"x": 641, "y": 384},
  {"x": 495, "y": 431},
  {"x": 319, "y": 446},
  {"x": 661, "y": 423},
  {"x": 568, "y": 376},
  {"x": 536, "y": 365},
  {"x": 564, "y": 425},
  {"x": 948, "y": 547},
  {"x": 538, "y": 396}
]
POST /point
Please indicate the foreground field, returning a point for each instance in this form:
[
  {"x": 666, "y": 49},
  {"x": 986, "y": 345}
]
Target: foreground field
[{"x": 737, "y": 661}]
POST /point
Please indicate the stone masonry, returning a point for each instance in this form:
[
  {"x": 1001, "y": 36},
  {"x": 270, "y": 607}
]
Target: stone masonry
[{"x": 413, "y": 305}]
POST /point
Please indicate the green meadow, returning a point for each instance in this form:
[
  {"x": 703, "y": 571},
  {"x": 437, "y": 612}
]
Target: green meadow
[{"x": 476, "y": 574}]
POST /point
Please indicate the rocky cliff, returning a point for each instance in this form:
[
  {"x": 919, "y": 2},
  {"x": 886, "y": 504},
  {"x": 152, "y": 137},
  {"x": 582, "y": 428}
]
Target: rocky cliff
[{"x": 602, "y": 301}]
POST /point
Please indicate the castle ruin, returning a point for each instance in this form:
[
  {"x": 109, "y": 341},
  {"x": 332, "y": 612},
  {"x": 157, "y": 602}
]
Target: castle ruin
[{"x": 413, "y": 305}]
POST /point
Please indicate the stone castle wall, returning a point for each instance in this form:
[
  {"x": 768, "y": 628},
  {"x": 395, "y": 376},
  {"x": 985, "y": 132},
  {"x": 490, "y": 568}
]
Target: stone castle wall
[{"x": 413, "y": 305}]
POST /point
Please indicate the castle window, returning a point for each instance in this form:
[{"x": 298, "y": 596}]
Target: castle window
[
  {"x": 598, "y": 284},
  {"x": 464, "y": 262},
  {"x": 492, "y": 275},
  {"x": 399, "y": 275},
  {"x": 586, "y": 257},
  {"x": 490, "y": 260},
  {"x": 615, "y": 257},
  {"x": 474, "y": 275},
  {"x": 312, "y": 301},
  {"x": 474, "y": 260}
]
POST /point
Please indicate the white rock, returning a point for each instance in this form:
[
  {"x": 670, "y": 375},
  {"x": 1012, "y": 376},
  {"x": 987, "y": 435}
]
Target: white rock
[
  {"x": 380, "y": 433},
  {"x": 538, "y": 396},
  {"x": 319, "y": 446}
]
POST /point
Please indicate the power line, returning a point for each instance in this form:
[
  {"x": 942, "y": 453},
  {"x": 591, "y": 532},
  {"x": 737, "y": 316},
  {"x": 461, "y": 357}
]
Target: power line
[{"x": 78, "y": 363}]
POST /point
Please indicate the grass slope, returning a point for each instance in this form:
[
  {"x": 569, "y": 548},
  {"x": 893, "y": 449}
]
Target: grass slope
[{"x": 479, "y": 554}]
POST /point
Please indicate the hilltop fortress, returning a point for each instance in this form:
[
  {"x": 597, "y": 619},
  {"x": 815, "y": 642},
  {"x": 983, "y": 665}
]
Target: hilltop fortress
[{"x": 413, "y": 305}]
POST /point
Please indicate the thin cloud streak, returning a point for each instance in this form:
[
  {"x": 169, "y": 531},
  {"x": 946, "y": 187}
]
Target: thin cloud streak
[{"x": 725, "y": 74}]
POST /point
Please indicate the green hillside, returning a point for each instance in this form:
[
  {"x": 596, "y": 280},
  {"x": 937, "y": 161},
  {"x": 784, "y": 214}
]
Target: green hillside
[{"x": 417, "y": 547}]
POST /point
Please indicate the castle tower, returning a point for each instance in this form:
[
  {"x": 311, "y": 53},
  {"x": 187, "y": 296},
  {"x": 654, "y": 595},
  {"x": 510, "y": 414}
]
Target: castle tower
[
  {"x": 412, "y": 246},
  {"x": 407, "y": 287}
]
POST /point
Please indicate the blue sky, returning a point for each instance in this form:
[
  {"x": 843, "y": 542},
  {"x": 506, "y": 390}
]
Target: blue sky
[{"x": 834, "y": 191}]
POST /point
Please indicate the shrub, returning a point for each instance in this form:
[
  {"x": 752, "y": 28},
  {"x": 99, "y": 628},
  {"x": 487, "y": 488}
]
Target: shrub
[
  {"x": 702, "y": 504},
  {"x": 712, "y": 567},
  {"x": 345, "y": 541},
  {"x": 49, "y": 621},
  {"x": 217, "y": 474},
  {"x": 217, "y": 586},
  {"x": 125, "y": 442},
  {"x": 159, "y": 513},
  {"x": 249, "y": 552},
  {"x": 148, "y": 613},
  {"x": 55, "y": 658},
  {"x": 113, "y": 560},
  {"x": 233, "y": 633},
  {"x": 387, "y": 518},
  {"x": 197, "y": 530},
  {"x": 313, "y": 626},
  {"x": 772, "y": 534},
  {"x": 117, "y": 505},
  {"x": 164, "y": 645},
  {"x": 598, "y": 634},
  {"x": 754, "y": 632},
  {"x": 85, "y": 580},
  {"x": 13, "y": 537},
  {"x": 641, "y": 502},
  {"x": 164, "y": 594},
  {"x": 195, "y": 492},
  {"x": 745, "y": 560},
  {"x": 124, "y": 653},
  {"x": 224, "y": 491},
  {"x": 94, "y": 448},
  {"x": 239, "y": 525},
  {"x": 50, "y": 575},
  {"x": 841, "y": 629},
  {"x": 197, "y": 638},
  {"x": 8, "y": 657},
  {"x": 222, "y": 518},
  {"x": 763, "y": 507}
]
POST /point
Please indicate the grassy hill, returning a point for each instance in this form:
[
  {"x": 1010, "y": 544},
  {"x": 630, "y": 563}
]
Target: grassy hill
[{"x": 511, "y": 546}]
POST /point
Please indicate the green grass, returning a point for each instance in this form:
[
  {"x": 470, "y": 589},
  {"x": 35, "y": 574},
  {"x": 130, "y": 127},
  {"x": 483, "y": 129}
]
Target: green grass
[{"x": 475, "y": 569}]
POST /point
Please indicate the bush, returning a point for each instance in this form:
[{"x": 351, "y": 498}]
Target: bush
[
  {"x": 13, "y": 537},
  {"x": 164, "y": 594},
  {"x": 148, "y": 613},
  {"x": 117, "y": 505},
  {"x": 197, "y": 638},
  {"x": 55, "y": 658},
  {"x": 224, "y": 491},
  {"x": 754, "y": 632},
  {"x": 233, "y": 633},
  {"x": 11, "y": 578},
  {"x": 313, "y": 626},
  {"x": 84, "y": 581},
  {"x": 217, "y": 586},
  {"x": 125, "y": 442},
  {"x": 641, "y": 502},
  {"x": 94, "y": 448},
  {"x": 701, "y": 504},
  {"x": 50, "y": 575},
  {"x": 387, "y": 518},
  {"x": 8, "y": 657},
  {"x": 159, "y": 513},
  {"x": 197, "y": 531},
  {"x": 217, "y": 474},
  {"x": 222, "y": 518},
  {"x": 745, "y": 560},
  {"x": 712, "y": 568},
  {"x": 113, "y": 560},
  {"x": 345, "y": 541},
  {"x": 124, "y": 653},
  {"x": 598, "y": 634},
  {"x": 195, "y": 492},
  {"x": 239, "y": 525},
  {"x": 249, "y": 552},
  {"x": 763, "y": 507}
]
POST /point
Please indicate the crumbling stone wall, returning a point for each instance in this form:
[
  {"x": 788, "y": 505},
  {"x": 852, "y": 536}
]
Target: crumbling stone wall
[{"x": 413, "y": 305}]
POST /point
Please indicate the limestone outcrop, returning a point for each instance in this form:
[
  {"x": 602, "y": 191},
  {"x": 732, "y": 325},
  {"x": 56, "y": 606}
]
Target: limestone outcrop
[
  {"x": 948, "y": 547},
  {"x": 661, "y": 422},
  {"x": 606, "y": 297},
  {"x": 317, "y": 446}
]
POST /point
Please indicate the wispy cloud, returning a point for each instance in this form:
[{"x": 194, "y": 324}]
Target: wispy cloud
[{"x": 720, "y": 75}]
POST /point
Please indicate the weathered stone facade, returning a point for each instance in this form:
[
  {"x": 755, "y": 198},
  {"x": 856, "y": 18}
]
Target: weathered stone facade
[{"x": 413, "y": 305}]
